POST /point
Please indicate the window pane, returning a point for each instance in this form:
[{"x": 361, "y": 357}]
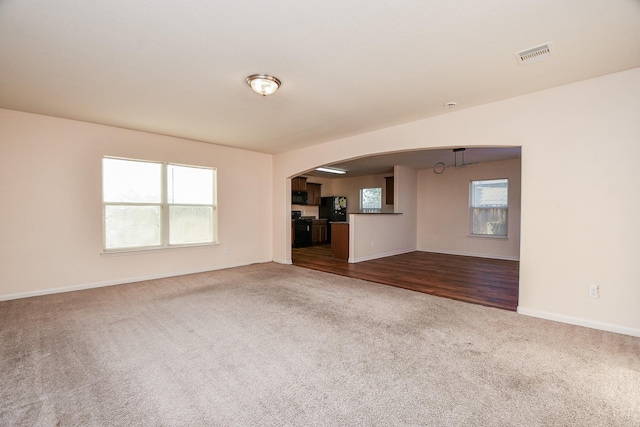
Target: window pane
[
  {"x": 488, "y": 194},
  {"x": 489, "y": 207},
  {"x": 131, "y": 181},
  {"x": 489, "y": 221},
  {"x": 132, "y": 226},
  {"x": 189, "y": 185},
  {"x": 190, "y": 224},
  {"x": 371, "y": 198}
]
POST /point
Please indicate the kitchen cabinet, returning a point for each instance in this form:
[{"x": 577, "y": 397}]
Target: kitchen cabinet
[
  {"x": 313, "y": 193},
  {"x": 388, "y": 190},
  {"x": 299, "y": 183},
  {"x": 340, "y": 240},
  {"x": 319, "y": 235}
]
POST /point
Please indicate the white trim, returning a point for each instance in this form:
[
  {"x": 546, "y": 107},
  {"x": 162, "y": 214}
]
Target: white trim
[
  {"x": 376, "y": 256},
  {"x": 155, "y": 249},
  {"x": 504, "y": 257},
  {"x": 578, "y": 321},
  {"x": 488, "y": 236},
  {"x": 118, "y": 282},
  {"x": 283, "y": 261}
]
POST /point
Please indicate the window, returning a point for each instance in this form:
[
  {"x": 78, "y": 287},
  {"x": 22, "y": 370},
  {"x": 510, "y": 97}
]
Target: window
[
  {"x": 156, "y": 205},
  {"x": 488, "y": 210},
  {"x": 371, "y": 199}
]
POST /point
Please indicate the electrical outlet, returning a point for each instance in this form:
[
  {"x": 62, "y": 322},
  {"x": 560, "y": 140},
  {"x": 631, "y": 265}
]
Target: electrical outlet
[
  {"x": 372, "y": 243},
  {"x": 225, "y": 250},
  {"x": 594, "y": 291}
]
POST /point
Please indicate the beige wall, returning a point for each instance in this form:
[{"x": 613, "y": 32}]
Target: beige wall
[
  {"x": 51, "y": 216},
  {"x": 350, "y": 187},
  {"x": 443, "y": 211},
  {"x": 579, "y": 173},
  {"x": 579, "y": 190},
  {"x": 307, "y": 210}
]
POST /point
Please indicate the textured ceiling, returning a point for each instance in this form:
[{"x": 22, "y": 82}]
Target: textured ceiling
[{"x": 347, "y": 67}]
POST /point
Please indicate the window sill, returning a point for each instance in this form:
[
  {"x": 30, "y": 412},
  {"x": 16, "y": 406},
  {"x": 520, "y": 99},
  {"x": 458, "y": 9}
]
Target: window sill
[
  {"x": 136, "y": 251},
  {"x": 488, "y": 236}
]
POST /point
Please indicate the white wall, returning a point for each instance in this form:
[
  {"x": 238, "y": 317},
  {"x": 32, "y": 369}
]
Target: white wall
[
  {"x": 443, "y": 211},
  {"x": 378, "y": 235},
  {"x": 579, "y": 173},
  {"x": 51, "y": 216}
]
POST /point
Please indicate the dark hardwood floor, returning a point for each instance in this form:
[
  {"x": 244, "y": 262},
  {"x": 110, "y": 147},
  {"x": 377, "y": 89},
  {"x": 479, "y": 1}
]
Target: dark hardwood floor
[{"x": 489, "y": 282}]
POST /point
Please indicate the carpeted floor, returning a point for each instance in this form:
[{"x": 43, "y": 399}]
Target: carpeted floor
[{"x": 272, "y": 344}]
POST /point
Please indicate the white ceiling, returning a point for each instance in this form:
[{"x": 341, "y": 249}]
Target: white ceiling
[{"x": 347, "y": 67}]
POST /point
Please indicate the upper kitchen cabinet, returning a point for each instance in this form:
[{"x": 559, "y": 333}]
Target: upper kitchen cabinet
[
  {"x": 388, "y": 190},
  {"x": 313, "y": 194},
  {"x": 299, "y": 183}
]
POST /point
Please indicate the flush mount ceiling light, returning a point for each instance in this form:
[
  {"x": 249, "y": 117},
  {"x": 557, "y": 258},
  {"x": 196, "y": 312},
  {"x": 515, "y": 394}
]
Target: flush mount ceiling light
[
  {"x": 331, "y": 170},
  {"x": 263, "y": 84}
]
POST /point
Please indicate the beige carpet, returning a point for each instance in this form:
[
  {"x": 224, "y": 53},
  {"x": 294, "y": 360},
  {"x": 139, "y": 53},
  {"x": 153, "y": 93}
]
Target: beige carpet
[{"x": 280, "y": 345}]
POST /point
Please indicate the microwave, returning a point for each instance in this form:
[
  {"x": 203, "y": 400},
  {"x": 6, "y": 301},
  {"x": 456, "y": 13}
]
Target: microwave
[{"x": 298, "y": 197}]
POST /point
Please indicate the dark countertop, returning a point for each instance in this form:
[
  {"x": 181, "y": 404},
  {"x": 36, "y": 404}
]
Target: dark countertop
[{"x": 376, "y": 213}]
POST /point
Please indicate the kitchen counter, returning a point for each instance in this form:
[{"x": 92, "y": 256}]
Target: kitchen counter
[{"x": 376, "y": 213}]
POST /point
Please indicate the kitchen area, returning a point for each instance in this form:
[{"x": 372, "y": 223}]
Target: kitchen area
[
  {"x": 317, "y": 220},
  {"x": 341, "y": 228}
]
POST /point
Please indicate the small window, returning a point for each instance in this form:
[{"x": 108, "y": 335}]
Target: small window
[
  {"x": 154, "y": 205},
  {"x": 489, "y": 207},
  {"x": 371, "y": 199}
]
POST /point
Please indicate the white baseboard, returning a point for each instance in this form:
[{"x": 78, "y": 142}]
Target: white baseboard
[
  {"x": 376, "y": 256},
  {"x": 504, "y": 257},
  {"x": 578, "y": 321},
  {"x": 117, "y": 282},
  {"x": 283, "y": 261}
]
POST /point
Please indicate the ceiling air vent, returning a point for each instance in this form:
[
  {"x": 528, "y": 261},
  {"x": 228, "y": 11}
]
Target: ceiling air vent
[{"x": 534, "y": 54}]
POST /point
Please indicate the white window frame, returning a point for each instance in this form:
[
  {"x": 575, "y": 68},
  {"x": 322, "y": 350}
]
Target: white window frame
[
  {"x": 504, "y": 208},
  {"x": 164, "y": 210},
  {"x": 370, "y": 210}
]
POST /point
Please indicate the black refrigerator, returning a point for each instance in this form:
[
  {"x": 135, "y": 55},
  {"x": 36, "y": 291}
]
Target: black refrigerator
[{"x": 334, "y": 209}]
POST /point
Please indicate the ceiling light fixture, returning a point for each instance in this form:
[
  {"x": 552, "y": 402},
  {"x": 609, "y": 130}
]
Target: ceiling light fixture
[
  {"x": 331, "y": 170},
  {"x": 263, "y": 84},
  {"x": 440, "y": 167}
]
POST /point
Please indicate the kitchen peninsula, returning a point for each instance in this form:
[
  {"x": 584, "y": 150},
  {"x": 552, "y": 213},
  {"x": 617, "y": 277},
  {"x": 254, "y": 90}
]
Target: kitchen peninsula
[
  {"x": 376, "y": 235},
  {"x": 341, "y": 245}
]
